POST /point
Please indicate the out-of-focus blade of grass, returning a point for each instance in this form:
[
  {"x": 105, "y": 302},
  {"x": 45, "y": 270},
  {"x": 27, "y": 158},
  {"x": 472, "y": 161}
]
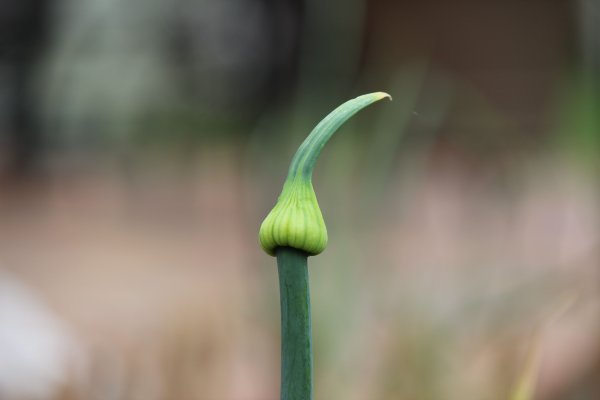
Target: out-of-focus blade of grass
[
  {"x": 578, "y": 105},
  {"x": 329, "y": 61},
  {"x": 527, "y": 382},
  {"x": 422, "y": 100},
  {"x": 578, "y": 113},
  {"x": 328, "y": 66},
  {"x": 587, "y": 15},
  {"x": 525, "y": 388},
  {"x": 392, "y": 125},
  {"x": 332, "y": 42}
]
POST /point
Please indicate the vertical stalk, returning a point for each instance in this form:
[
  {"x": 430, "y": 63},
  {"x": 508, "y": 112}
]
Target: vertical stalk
[{"x": 296, "y": 343}]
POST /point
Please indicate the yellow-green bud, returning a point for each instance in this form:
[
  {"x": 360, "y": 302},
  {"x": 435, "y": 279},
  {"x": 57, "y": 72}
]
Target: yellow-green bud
[{"x": 296, "y": 220}]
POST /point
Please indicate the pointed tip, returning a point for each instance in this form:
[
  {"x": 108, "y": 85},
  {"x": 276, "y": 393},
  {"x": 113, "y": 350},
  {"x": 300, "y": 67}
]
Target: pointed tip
[
  {"x": 308, "y": 152},
  {"x": 375, "y": 96},
  {"x": 382, "y": 95}
]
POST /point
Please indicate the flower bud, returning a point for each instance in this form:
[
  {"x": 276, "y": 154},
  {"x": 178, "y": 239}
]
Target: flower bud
[{"x": 296, "y": 220}]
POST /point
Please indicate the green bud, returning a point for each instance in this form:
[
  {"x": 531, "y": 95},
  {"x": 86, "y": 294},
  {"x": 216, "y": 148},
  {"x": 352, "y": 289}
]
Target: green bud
[{"x": 296, "y": 220}]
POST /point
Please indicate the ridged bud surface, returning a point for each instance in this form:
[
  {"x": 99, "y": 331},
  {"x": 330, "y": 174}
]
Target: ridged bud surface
[{"x": 295, "y": 221}]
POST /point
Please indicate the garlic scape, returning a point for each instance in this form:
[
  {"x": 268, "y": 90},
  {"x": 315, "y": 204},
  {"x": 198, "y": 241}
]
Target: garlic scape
[
  {"x": 296, "y": 220},
  {"x": 292, "y": 231}
]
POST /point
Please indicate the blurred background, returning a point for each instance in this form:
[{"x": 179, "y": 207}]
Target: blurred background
[{"x": 142, "y": 142}]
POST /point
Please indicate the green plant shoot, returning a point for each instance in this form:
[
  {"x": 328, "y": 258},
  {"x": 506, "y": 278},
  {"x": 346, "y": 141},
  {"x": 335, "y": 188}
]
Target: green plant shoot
[
  {"x": 293, "y": 231},
  {"x": 296, "y": 220}
]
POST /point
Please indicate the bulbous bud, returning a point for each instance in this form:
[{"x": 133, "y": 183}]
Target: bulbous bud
[{"x": 295, "y": 221}]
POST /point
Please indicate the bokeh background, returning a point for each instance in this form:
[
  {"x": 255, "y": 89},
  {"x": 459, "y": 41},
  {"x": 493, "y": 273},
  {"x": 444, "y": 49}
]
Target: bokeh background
[{"x": 143, "y": 141}]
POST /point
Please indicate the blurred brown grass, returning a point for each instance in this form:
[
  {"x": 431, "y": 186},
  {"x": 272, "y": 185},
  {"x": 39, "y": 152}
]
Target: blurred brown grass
[{"x": 433, "y": 296}]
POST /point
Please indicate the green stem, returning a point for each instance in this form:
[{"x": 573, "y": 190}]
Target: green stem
[{"x": 296, "y": 336}]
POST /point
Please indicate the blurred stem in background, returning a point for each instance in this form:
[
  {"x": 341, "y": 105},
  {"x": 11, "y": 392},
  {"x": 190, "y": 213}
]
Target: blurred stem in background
[
  {"x": 23, "y": 34},
  {"x": 579, "y": 102},
  {"x": 332, "y": 42},
  {"x": 329, "y": 56}
]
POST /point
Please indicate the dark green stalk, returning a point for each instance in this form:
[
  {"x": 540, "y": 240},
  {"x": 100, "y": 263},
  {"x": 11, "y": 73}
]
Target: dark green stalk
[{"x": 296, "y": 336}]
